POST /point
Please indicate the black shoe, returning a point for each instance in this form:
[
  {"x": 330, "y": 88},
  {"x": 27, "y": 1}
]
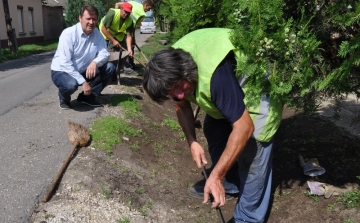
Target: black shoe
[
  {"x": 198, "y": 192},
  {"x": 65, "y": 105},
  {"x": 89, "y": 100}
]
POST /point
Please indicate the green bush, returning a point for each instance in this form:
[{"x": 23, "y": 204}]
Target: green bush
[{"x": 310, "y": 49}]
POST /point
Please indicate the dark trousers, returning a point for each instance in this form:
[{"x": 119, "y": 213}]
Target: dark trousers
[{"x": 67, "y": 84}]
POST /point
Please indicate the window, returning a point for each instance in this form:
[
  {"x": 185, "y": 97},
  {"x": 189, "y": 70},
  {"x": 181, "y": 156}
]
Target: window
[
  {"x": 31, "y": 19},
  {"x": 20, "y": 19}
]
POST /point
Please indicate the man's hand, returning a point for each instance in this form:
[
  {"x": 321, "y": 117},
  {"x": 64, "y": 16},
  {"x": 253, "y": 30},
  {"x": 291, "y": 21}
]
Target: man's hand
[
  {"x": 214, "y": 187},
  {"x": 198, "y": 154},
  {"x": 116, "y": 43},
  {"x": 86, "y": 88},
  {"x": 130, "y": 52},
  {"x": 91, "y": 70}
]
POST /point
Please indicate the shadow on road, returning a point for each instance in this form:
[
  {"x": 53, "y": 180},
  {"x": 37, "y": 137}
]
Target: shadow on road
[{"x": 34, "y": 60}]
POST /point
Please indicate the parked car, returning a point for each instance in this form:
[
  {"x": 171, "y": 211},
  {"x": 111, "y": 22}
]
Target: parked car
[{"x": 148, "y": 25}]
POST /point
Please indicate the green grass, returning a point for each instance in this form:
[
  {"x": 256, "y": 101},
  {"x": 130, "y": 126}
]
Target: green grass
[
  {"x": 106, "y": 132},
  {"x": 174, "y": 125},
  {"x": 158, "y": 149},
  {"x": 28, "y": 49},
  {"x": 139, "y": 191},
  {"x": 128, "y": 103},
  {"x": 135, "y": 146},
  {"x": 124, "y": 220},
  {"x": 153, "y": 44},
  {"x": 105, "y": 192},
  {"x": 350, "y": 199},
  {"x": 313, "y": 197},
  {"x": 143, "y": 212}
]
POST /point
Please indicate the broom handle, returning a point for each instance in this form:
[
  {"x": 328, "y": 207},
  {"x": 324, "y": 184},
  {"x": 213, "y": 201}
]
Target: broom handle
[
  {"x": 135, "y": 58},
  {"x": 59, "y": 174},
  {"x": 141, "y": 52}
]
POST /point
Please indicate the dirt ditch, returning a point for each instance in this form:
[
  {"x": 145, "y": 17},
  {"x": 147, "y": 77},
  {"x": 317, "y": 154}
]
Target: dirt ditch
[{"x": 149, "y": 183}]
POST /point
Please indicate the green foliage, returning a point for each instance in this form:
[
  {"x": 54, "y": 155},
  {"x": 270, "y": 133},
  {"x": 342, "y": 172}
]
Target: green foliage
[
  {"x": 350, "y": 199},
  {"x": 106, "y": 132},
  {"x": 309, "y": 49},
  {"x": 189, "y": 15},
  {"x": 72, "y": 12},
  {"x": 108, "y": 3},
  {"x": 344, "y": 37},
  {"x": 280, "y": 51},
  {"x": 100, "y": 7}
]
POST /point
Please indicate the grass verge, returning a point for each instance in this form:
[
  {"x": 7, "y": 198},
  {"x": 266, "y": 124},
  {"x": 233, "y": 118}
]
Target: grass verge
[
  {"x": 106, "y": 132},
  {"x": 28, "y": 49}
]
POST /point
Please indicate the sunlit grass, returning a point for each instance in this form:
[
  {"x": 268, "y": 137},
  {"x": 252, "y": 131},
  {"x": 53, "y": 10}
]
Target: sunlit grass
[
  {"x": 27, "y": 50},
  {"x": 108, "y": 131}
]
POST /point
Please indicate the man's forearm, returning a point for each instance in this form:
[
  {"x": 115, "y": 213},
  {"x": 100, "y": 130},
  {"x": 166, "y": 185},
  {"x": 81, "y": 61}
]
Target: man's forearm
[
  {"x": 107, "y": 33},
  {"x": 186, "y": 120},
  {"x": 118, "y": 5},
  {"x": 242, "y": 130}
]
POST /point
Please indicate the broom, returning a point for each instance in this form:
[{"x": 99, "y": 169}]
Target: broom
[{"x": 78, "y": 136}]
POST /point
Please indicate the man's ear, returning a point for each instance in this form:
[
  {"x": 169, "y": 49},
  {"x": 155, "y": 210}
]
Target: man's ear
[{"x": 79, "y": 17}]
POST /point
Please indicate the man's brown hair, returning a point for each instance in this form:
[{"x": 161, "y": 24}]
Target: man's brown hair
[
  {"x": 92, "y": 10},
  {"x": 148, "y": 2}
]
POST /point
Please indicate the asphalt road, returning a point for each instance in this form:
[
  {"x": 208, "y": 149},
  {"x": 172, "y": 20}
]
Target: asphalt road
[{"x": 33, "y": 133}]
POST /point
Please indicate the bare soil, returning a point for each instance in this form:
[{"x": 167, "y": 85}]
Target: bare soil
[{"x": 149, "y": 183}]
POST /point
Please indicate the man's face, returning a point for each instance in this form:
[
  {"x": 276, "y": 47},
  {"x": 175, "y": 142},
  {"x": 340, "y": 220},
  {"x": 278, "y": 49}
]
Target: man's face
[
  {"x": 147, "y": 7},
  {"x": 181, "y": 89},
  {"x": 88, "y": 22},
  {"x": 124, "y": 14}
]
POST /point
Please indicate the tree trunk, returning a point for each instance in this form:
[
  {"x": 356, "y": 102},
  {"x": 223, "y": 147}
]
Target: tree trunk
[{"x": 9, "y": 29}]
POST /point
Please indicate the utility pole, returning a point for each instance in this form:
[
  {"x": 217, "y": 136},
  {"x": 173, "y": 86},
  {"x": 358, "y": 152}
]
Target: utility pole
[{"x": 10, "y": 32}]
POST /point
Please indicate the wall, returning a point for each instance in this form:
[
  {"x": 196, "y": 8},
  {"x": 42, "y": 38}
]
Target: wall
[
  {"x": 3, "y": 34},
  {"x": 53, "y": 22},
  {"x": 26, "y": 36}
]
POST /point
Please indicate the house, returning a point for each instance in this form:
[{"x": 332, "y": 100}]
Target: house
[
  {"x": 54, "y": 16},
  {"x": 32, "y": 21},
  {"x": 27, "y": 20}
]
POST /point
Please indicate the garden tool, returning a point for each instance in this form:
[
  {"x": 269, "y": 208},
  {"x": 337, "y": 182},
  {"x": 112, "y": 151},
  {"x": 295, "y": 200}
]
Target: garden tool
[
  {"x": 78, "y": 136},
  {"x": 218, "y": 210},
  {"x": 327, "y": 190},
  {"x": 137, "y": 59},
  {"x": 146, "y": 59},
  {"x": 311, "y": 167},
  {"x": 117, "y": 56}
]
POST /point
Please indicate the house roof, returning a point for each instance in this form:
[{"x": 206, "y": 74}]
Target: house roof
[{"x": 56, "y": 3}]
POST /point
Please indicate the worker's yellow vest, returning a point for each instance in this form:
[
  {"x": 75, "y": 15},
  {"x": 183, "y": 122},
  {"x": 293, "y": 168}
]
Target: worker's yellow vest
[
  {"x": 114, "y": 29},
  {"x": 138, "y": 13},
  {"x": 208, "y": 47}
]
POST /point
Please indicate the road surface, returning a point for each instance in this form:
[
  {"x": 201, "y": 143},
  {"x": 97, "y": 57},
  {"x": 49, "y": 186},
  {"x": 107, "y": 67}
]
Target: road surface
[{"x": 33, "y": 133}]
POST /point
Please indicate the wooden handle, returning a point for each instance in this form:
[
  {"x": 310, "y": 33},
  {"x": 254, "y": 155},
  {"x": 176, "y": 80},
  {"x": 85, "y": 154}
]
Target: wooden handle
[
  {"x": 135, "y": 57},
  {"x": 141, "y": 53},
  {"x": 196, "y": 111},
  {"x": 59, "y": 174}
]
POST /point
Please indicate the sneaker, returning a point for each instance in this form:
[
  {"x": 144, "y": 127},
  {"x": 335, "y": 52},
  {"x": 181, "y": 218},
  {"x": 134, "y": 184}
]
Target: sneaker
[
  {"x": 89, "y": 100},
  {"x": 198, "y": 192},
  {"x": 64, "y": 105},
  {"x": 129, "y": 71}
]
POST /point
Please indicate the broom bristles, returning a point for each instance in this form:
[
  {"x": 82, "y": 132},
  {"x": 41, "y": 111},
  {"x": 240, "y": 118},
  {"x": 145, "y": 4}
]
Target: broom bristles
[{"x": 78, "y": 134}]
